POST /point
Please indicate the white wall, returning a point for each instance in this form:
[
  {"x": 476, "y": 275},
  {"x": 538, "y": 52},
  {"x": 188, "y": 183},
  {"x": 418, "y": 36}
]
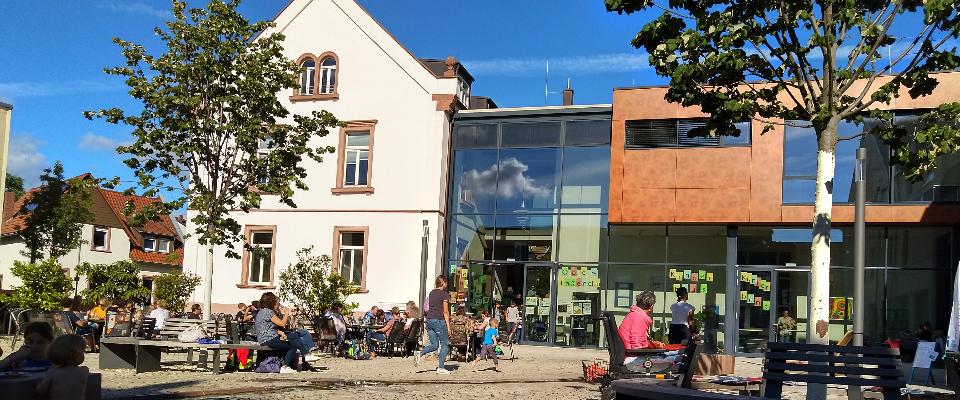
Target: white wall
[
  {"x": 11, "y": 247},
  {"x": 378, "y": 80}
]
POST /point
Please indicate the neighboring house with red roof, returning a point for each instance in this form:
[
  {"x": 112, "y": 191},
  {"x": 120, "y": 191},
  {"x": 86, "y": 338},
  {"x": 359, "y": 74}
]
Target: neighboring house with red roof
[{"x": 157, "y": 247}]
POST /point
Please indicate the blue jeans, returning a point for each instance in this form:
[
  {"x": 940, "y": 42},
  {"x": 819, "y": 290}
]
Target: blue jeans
[
  {"x": 439, "y": 339},
  {"x": 296, "y": 340}
]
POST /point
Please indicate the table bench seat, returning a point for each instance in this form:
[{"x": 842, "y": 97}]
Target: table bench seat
[{"x": 143, "y": 355}]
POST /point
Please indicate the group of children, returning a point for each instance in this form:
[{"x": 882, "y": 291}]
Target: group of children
[{"x": 65, "y": 378}]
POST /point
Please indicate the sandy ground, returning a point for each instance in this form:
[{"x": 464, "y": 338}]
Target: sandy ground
[{"x": 536, "y": 373}]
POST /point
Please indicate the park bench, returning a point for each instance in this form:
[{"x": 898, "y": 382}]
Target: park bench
[
  {"x": 143, "y": 355},
  {"x": 867, "y": 367}
]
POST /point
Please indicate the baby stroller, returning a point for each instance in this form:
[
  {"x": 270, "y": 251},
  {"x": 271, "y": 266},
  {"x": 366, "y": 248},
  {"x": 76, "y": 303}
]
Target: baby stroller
[{"x": 538, "y": 331}]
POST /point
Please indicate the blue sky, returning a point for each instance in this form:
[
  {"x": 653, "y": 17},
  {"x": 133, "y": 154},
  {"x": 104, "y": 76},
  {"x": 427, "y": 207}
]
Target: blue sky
[{"x": 54, "y": 53}]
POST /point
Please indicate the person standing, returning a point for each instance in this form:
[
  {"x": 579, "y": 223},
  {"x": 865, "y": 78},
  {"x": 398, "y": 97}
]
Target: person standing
[
  {"x": 682, "y": 318},
  {"x": 438, "y": 325}
]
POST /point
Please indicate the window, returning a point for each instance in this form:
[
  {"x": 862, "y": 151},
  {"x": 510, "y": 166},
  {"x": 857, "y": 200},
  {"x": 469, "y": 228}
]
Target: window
[
  {"x": 263, "y": 150},
  {"x": 355, "y": 158},
  {"x": 261, "y": 257},
  {"x": 674, "y": 133},
  {"x": 149, "y": 243},
  {"x": 318, "y": 77},
  {"x": 328, "y": 75},
  {"x": 350, "y": 248},
  {"x": 163, "y": 245},
  {"x": 101, "y": 239},
  {"x": 475, "y": 136},
  {"x": 308, "y": 77}
]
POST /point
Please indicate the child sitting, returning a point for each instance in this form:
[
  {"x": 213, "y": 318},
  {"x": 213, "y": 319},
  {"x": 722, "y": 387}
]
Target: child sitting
[
  {"x": 67, "y": 380},
  {"x": 33, "y": 355},
  {"x": 491, "y": 338}
]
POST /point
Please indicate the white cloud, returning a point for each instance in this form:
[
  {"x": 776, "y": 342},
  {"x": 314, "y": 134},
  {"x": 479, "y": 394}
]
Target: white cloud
[
  {"x": 13, "y": 90},
  {"x": 94, "y": 142},
  {"x": 25, "y": 159},
  {"x": 588, "y": 64},
  {"x": 512, "y": 182},
  {"x": 133, "y": 8}
]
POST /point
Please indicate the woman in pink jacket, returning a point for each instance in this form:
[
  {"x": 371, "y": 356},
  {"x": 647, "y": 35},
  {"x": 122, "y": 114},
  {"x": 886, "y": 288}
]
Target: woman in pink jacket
[{"x": 636, "y": 326}]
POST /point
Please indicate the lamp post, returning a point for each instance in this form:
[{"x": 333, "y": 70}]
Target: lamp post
[{"x": 859, "y": 228}]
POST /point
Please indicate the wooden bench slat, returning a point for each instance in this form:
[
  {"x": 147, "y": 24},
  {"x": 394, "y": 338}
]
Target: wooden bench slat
[
  {"x": 640, "y": 389},
  {"x": 882, "y": 362},
  {"x": 834, "y": 380},
  {"x": 806, "y": 347},
  {"x": 835, "y": 369}
]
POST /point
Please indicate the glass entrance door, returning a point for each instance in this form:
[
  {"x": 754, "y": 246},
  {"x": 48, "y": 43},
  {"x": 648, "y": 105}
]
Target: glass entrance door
[
  {"x": 755, "y": 315},
  {"x": 791, "y": 287},
  {"x": 538, "y": 303}
]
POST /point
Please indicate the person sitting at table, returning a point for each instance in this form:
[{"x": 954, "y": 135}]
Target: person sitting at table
[
  {"x": 196, "y": 311},
  {"x": 161, "y": 313},
  {"x": 66, "y": 380},
  {"x": 393, "y": 313},
  {"x": 32, "y": 355},
  {"x": 339, "y": 324},
  {"x": 80, "y": 326},
  {"x": 380, "y": 334},
  {"x": 271, "y": 326},
  {"x": 99, "y": 312},
  {"x": 371, "y": 315},
  {"x": 241, "y": 311}
]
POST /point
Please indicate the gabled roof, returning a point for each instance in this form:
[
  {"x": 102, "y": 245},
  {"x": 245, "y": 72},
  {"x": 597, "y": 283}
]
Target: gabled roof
[{"x": 107, "y": 207}]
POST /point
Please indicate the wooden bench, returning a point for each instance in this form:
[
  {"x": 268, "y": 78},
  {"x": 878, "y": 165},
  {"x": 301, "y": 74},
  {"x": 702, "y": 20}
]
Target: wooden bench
[
  {"x": 143, "y": 355},
  {"x": 866, "y": 367}
]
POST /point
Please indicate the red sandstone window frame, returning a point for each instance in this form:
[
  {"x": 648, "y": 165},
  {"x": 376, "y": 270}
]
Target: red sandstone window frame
[
  {"x": 316, "y": 95},
  {"x": 366, "y": 126},
  {"x": 249, "y": 230},
  {"x": 337, "y": 232}
]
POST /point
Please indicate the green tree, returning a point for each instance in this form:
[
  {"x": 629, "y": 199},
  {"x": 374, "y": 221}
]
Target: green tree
[
  {"x": 819, "y": 62},
  {"x": 210, "y": 126},
  {"x": 13, "y": 183},
  {"x": 174, "y": 289},
  {"x": 43, "y": 287},
  {"x": 55, "y": 214},
  {"x": 311, "y": 286},
  {"x": 118, "y": 281}
]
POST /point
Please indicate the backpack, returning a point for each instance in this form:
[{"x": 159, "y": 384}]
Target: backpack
[
  {"x": 239, "y": 360},
  {"x": 357, "y": 351},
  {"x": 269, "y": 365}
]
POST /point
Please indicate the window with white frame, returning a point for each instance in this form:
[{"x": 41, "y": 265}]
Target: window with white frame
[
  {"x": 308, "y": 77},
  {"x": 351, "y": 256},
  {"x": 263, "y": 150},
  {"x": 101, "y": 238},
  {"x": 261, "y": 256},
  {"x": 328, "y": 75},
  {"x": 356, "y": 160},
  {"x": 160, "y": 244}
]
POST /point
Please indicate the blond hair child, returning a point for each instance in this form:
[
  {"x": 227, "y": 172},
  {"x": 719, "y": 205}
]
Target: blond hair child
[{"x": 67, "y": 380}]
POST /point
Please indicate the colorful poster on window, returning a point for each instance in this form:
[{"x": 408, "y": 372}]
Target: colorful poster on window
[
  {"x": 840, "y": 308},
  {"x": 702, "y": 275},
  {"x": 673, "y": 273},
  {"x": 703, "y": 288},
  {"x": 694, "y": 278},
  {"x": 744, "y": 277},
  {"x": 693, "y": 288},
  {"x": 750, "y": 298},
  {"x": 758, "y": 301},
  {"x": 753, "y": 280},
  {"x": 766, "y": 305},
  {"x": 709, "y": 276},
  {"x": 676, "y": 287},
  {"x": 743, "y": 295},
  {"x": 686, "y": 274}
]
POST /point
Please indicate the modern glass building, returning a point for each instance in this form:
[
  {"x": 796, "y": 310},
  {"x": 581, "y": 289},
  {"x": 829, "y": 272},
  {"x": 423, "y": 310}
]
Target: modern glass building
[
  {"x": 572, "y": 210},
  {"x": 528, "y": 216}
]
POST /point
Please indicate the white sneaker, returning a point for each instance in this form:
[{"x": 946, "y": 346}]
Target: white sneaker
[
  {"x": 442, "y": 371},
  {"x": 313, "y": 357},
  {"x": 416, "y": 358},
  {"x": 287, "y": 370}
]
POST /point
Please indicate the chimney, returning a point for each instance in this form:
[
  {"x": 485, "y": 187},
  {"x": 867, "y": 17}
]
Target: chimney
[{"x": 568, "y": 95}]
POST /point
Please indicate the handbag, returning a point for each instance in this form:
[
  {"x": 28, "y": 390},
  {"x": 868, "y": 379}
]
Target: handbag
[
  {"x": 192, "y": 334},
  {"x": 269, "y": 365}
]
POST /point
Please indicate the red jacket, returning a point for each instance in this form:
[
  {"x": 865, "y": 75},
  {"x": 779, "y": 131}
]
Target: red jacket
[{"x": 633, "y": 330}]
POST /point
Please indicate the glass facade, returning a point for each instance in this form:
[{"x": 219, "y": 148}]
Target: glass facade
[
  {"x": 528, "y": 223},
  {"x": 885, "y": 183}
]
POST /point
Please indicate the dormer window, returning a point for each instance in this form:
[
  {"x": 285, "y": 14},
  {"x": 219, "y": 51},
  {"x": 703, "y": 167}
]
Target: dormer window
[
  {"x": 318, "y": 77},
  {"x": 463, "y": 92},
  {"x": 160, "y": 244},
  {"x": 308, "y": 76}
]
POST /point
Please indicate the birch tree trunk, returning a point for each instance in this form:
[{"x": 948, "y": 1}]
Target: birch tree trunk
[
  {"x": 208, "y": 289},
  {"x": 819, "y": 316}
]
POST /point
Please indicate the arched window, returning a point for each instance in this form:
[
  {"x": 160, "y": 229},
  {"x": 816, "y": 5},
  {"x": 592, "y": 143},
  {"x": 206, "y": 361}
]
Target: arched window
[
  {"x": 328, "y": 75},
  {"x": 308, "y": 77}
]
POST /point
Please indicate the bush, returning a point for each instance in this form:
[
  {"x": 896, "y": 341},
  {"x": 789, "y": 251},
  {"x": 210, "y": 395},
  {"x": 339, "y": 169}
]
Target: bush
[
  {"x": 174, "y": 289},
  {"x": 117, "y": 281},
  {"x": 44, "y": 285},
  {"x": 311, "y": 286}
]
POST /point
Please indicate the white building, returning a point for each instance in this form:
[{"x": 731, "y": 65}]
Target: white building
[
  {"x": 156, "y": 247},
  {"x": 369, "y": 203}
]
